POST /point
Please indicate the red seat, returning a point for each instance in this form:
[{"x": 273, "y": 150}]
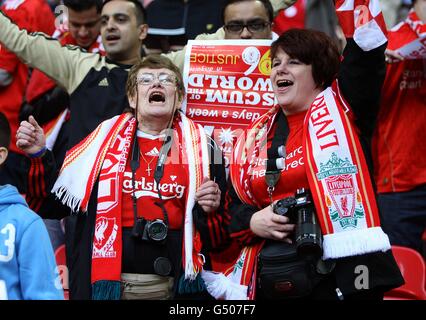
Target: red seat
[
  {"x": 413, "y": 269},
  {"x": 61, "y": 261}
]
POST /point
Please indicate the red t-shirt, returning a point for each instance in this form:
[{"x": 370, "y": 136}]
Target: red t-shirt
[
  {"x": 292, "y": 17},
  {"x": 399, "y": 146},
  {"x": 32, "y": 15},
  {"x": 294, "y": 176},
  {"x": 173, "y": 186}
]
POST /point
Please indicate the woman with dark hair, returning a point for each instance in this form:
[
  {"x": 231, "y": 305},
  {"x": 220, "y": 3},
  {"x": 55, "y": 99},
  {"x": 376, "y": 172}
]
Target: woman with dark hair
[
  {"x": 303, "y": 204},
  {"x": 147, "y": 187}
]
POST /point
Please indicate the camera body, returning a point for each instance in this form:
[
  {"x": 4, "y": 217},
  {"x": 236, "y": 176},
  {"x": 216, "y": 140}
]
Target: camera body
[
  {"x": 150, "y": 230},
  {"x": 301, "y": 211}
]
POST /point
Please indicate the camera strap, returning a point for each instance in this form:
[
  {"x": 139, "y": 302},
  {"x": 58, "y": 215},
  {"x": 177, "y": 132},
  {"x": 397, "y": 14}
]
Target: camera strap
[
  {"x": 159, "y": 170},
  {"x": 158, "y": 174},
  {"x": 134, "y": 165},
  {"x": 276, "y": 152}
]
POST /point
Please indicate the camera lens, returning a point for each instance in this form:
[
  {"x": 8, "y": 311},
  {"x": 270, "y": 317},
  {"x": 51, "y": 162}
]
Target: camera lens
[
  {"x": 308, "y": 233},
  {"x": 157, "y": 230}
]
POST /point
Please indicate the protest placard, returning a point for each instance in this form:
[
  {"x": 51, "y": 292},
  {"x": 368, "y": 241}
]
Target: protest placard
[{"x": 228, "y": 86}]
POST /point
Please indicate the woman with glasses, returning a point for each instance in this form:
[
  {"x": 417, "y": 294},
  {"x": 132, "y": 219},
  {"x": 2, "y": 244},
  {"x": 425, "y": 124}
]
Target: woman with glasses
[{"x": 152, "y": 181}]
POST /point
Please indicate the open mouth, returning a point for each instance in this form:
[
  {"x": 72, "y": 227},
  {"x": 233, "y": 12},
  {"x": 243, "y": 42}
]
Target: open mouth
[
  {"x": 284, "y": 83},
  {"x": 157, "y": 97},
  {"x": 112, "y": 37}
]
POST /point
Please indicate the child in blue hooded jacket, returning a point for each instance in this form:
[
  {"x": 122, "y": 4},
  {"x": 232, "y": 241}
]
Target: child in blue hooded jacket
[{"x": 27, "y": 262}]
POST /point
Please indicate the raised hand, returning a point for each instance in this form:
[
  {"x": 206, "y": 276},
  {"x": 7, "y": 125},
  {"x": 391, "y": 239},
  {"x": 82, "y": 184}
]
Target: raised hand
[{"x": 30, "y": 137}]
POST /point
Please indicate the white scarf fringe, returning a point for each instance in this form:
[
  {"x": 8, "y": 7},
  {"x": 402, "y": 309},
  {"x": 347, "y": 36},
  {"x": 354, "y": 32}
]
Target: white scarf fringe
[
  {"x": 190, "y": 271},
  {"x": 73, "y": 179},
  {"x": 355, "y": 242},
  {"x": 222, "y": 287},
  {"x": 68, "y": 199}
]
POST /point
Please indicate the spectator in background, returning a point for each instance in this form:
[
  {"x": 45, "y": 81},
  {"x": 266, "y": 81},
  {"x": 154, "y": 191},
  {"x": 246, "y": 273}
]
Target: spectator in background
[
  {"x": 245, "y": 19},
  {"x": 173, "y": 23},
  {"x": 81, "y": 27},
  {"x": 236, "y": 10},
  {"x": 35, "y": 16},
  {"x": 311, "y": 14},
  {"x": 390, "y": 10},
  {"x": 27, "y": 264},
  {"x": 47, "y": 101},
  {"x": 399, "y": 146}
]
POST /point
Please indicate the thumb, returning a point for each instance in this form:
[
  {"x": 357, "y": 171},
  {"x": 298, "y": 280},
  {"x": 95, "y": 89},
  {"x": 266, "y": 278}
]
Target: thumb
[
  {"x": 205, "y": 179},
  {"x": 33, "y": 121}
]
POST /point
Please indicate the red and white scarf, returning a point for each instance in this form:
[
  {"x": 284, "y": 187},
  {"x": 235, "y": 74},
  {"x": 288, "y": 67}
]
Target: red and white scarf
[
  {"x": 338, "y": 179},
  {"x": 335, "y": 166},
  {"x": 416, "y": 24},
  {"x": 103, "y": 155},
  {"x": 363, "y": 21}
]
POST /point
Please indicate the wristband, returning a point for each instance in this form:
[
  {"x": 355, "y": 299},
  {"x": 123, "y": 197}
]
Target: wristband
[{"x": 38, "y": 154}]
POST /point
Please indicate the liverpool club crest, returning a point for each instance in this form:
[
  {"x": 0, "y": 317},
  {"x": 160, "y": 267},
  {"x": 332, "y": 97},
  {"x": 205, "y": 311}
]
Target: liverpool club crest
[
  {"x": 343, "y": 199},
  {"x": 105, "y": 235}
]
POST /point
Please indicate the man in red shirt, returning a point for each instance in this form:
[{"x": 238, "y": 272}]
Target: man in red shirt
[
  {"x": 399, "y": 146},
  {"x": 33, "y": 15}
]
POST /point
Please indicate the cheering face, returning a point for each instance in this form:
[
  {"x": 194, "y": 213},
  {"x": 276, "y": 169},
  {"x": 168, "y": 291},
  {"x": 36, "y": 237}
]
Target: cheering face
[
  {"x": 293, "y": 83},
  {"x": 247, "y": 20},
  {"x": 157, "y": 95},
  {"x": 121, "y": 35},
  {"x": 84, "y": 26}
]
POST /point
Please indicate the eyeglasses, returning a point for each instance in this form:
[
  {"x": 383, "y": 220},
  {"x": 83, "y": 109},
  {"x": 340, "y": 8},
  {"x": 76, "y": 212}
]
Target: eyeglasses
[
  {"x": 252, "y": 26},
  {"x": 165, "y": 79}
]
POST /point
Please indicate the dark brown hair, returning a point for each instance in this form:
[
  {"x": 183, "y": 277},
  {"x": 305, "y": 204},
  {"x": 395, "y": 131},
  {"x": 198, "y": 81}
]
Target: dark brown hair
[
  {"x": 266, "y": 3},
  {"x": 313, "y": 48},
  {"x": 83, "y": 5},
  {"x": 140, "y": 12},
  {"x": 153, "y": 61}
]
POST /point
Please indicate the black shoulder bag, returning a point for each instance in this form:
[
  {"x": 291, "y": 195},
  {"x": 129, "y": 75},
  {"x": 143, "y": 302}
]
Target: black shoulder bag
[{"x": 288, "y": 271}]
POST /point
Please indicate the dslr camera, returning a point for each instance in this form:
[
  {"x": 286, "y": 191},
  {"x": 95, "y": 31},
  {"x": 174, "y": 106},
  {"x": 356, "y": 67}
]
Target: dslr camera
[
  {"x": 150, "y": 230},
  {"x": 301, "y": 211}
]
